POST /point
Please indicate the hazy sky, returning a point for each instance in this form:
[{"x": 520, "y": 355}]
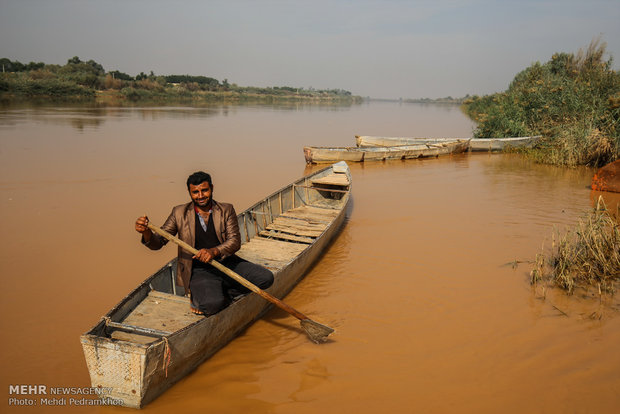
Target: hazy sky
[{"x": 384, "y": 49}]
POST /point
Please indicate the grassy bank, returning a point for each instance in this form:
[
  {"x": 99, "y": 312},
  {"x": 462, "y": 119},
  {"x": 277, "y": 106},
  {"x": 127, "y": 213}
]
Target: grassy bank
[
  {"x": 88, "y": 81},
  {"x": 573, "y": 101},
  {"x": 178, "y": 94}
]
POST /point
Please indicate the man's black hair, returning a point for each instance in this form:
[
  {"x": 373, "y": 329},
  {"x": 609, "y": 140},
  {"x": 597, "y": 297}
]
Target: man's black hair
[{"x": 198, "y": 178}]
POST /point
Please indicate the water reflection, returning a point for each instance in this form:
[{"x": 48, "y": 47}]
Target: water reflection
[
  {"x": 92, "y": 116},
  {"x": 446, "y": 107}
]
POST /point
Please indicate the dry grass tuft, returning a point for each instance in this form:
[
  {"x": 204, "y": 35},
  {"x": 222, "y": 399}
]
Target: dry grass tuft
[{"x": 588, "y": 255}]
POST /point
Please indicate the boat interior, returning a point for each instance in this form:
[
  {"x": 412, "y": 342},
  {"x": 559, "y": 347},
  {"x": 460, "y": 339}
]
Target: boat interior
[{"x": 273, "y": 232}]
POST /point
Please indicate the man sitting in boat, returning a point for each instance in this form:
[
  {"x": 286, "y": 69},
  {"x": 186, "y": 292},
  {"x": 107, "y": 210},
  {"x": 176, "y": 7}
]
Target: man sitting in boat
[{"x": 212, "y": 228}]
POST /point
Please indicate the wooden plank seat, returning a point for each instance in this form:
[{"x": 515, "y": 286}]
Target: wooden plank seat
[
  {"x": 273, "y": 254},
  {"x": 131, "y": 337},
  {"x": 297, "y": 227},
  {"x": 302, "y": 224},
  {"x": 332, "y": 179},
  {"x": 162, "y": 311},
  {"x": 137, "y": 329},
  {"x": 312, "y": 215}
]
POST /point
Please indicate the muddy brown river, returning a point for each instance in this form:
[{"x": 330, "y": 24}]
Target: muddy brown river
[{"x": 430, "y": 313}]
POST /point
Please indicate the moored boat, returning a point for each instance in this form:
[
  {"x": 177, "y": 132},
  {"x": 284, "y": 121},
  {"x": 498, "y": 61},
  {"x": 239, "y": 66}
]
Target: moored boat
[
  {"x": 315, "y": 155},
  {"x": 150, "y": 339},
  {"x": 476, "y": 144}
]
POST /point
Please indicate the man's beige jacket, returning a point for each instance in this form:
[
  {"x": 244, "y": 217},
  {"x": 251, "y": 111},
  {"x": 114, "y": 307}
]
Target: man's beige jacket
[{"x": 182, "y": 220}]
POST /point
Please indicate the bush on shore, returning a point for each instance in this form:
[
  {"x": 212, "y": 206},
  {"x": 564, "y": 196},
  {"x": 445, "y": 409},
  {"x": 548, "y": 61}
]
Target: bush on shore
[
  {"x": 573, "y": 101},
  {"x": 43, "y": 86}
]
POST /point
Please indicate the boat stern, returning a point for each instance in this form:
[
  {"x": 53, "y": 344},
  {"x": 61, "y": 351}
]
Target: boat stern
[
  {"x": 117, "y": 367},
  {"x": 308, "y": 155}
]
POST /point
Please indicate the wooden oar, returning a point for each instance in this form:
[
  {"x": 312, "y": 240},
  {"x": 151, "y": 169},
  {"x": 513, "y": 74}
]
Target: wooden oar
[{"x": 316, "y": 331}]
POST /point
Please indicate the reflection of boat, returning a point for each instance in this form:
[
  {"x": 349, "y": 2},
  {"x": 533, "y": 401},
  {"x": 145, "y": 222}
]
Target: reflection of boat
[
  {"x": 476, "y": 144},
  {"x": 358, "y": 154},
  {"x": 150, "y": 339}
]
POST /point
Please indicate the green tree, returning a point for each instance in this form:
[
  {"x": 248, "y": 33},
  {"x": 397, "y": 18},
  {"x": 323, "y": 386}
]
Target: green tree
[
  {"x": 120, "y": 75},
  {"x": 83, "y": 73},
  {"x": 11, "y": 66}
]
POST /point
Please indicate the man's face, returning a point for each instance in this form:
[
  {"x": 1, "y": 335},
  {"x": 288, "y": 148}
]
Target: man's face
[{"x": 201, "y": 194}]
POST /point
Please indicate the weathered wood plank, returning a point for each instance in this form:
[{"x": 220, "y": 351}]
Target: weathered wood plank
[
  {"x": 129, "y": 337},
  {"x": 297, "y": 226},
  {"x": 295, "y": 231},
  {"x": 316, "y": 210},
  {"x": 308, "y": 216},
  {"x": 298, "y": 223},
  {"x": 273, "y": 249},
  {"x": 326, "y": 204},
  {"x": 332, "y": 179},
  {"x": 162, "y": 314},
  {"x": 140, "y": 330},
  {"x": 168, "y": 296},
  {"x": 286, "y": 236},
  {"x": 312, "y": 187},
  {"x": 257, "y": 258}
]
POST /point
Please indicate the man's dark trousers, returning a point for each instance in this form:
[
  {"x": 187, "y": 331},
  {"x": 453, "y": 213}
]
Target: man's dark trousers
[{"x": 213, "y": 290}]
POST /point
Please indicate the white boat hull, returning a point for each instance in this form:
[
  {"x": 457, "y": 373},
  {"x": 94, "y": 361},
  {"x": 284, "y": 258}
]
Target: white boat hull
[{"x": 476, "y": 144}]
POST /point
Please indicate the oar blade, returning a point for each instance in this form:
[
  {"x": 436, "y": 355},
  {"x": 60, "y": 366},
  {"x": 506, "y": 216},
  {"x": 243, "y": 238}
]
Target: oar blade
[{"x": 317, "y": 332}]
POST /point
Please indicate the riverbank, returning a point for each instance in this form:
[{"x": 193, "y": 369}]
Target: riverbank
[
  {"x": 132, "y": 96},
  {"x": 79, "y": 81}
]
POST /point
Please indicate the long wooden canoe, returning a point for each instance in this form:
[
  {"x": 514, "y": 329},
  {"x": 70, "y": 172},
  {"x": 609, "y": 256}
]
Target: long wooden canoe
[
  {"x": 476, "y": 144},
  {"x": 315, "y": 155},
  {"x": 150, "y": 339}
]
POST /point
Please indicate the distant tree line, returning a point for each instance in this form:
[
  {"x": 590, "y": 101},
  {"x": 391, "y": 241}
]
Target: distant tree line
[
  {"x": 210, "y": 83},
  {"x": 8, "y": 66},
  {"x": 86, "y": 79},
  {"x": 447, "y": 99}
]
